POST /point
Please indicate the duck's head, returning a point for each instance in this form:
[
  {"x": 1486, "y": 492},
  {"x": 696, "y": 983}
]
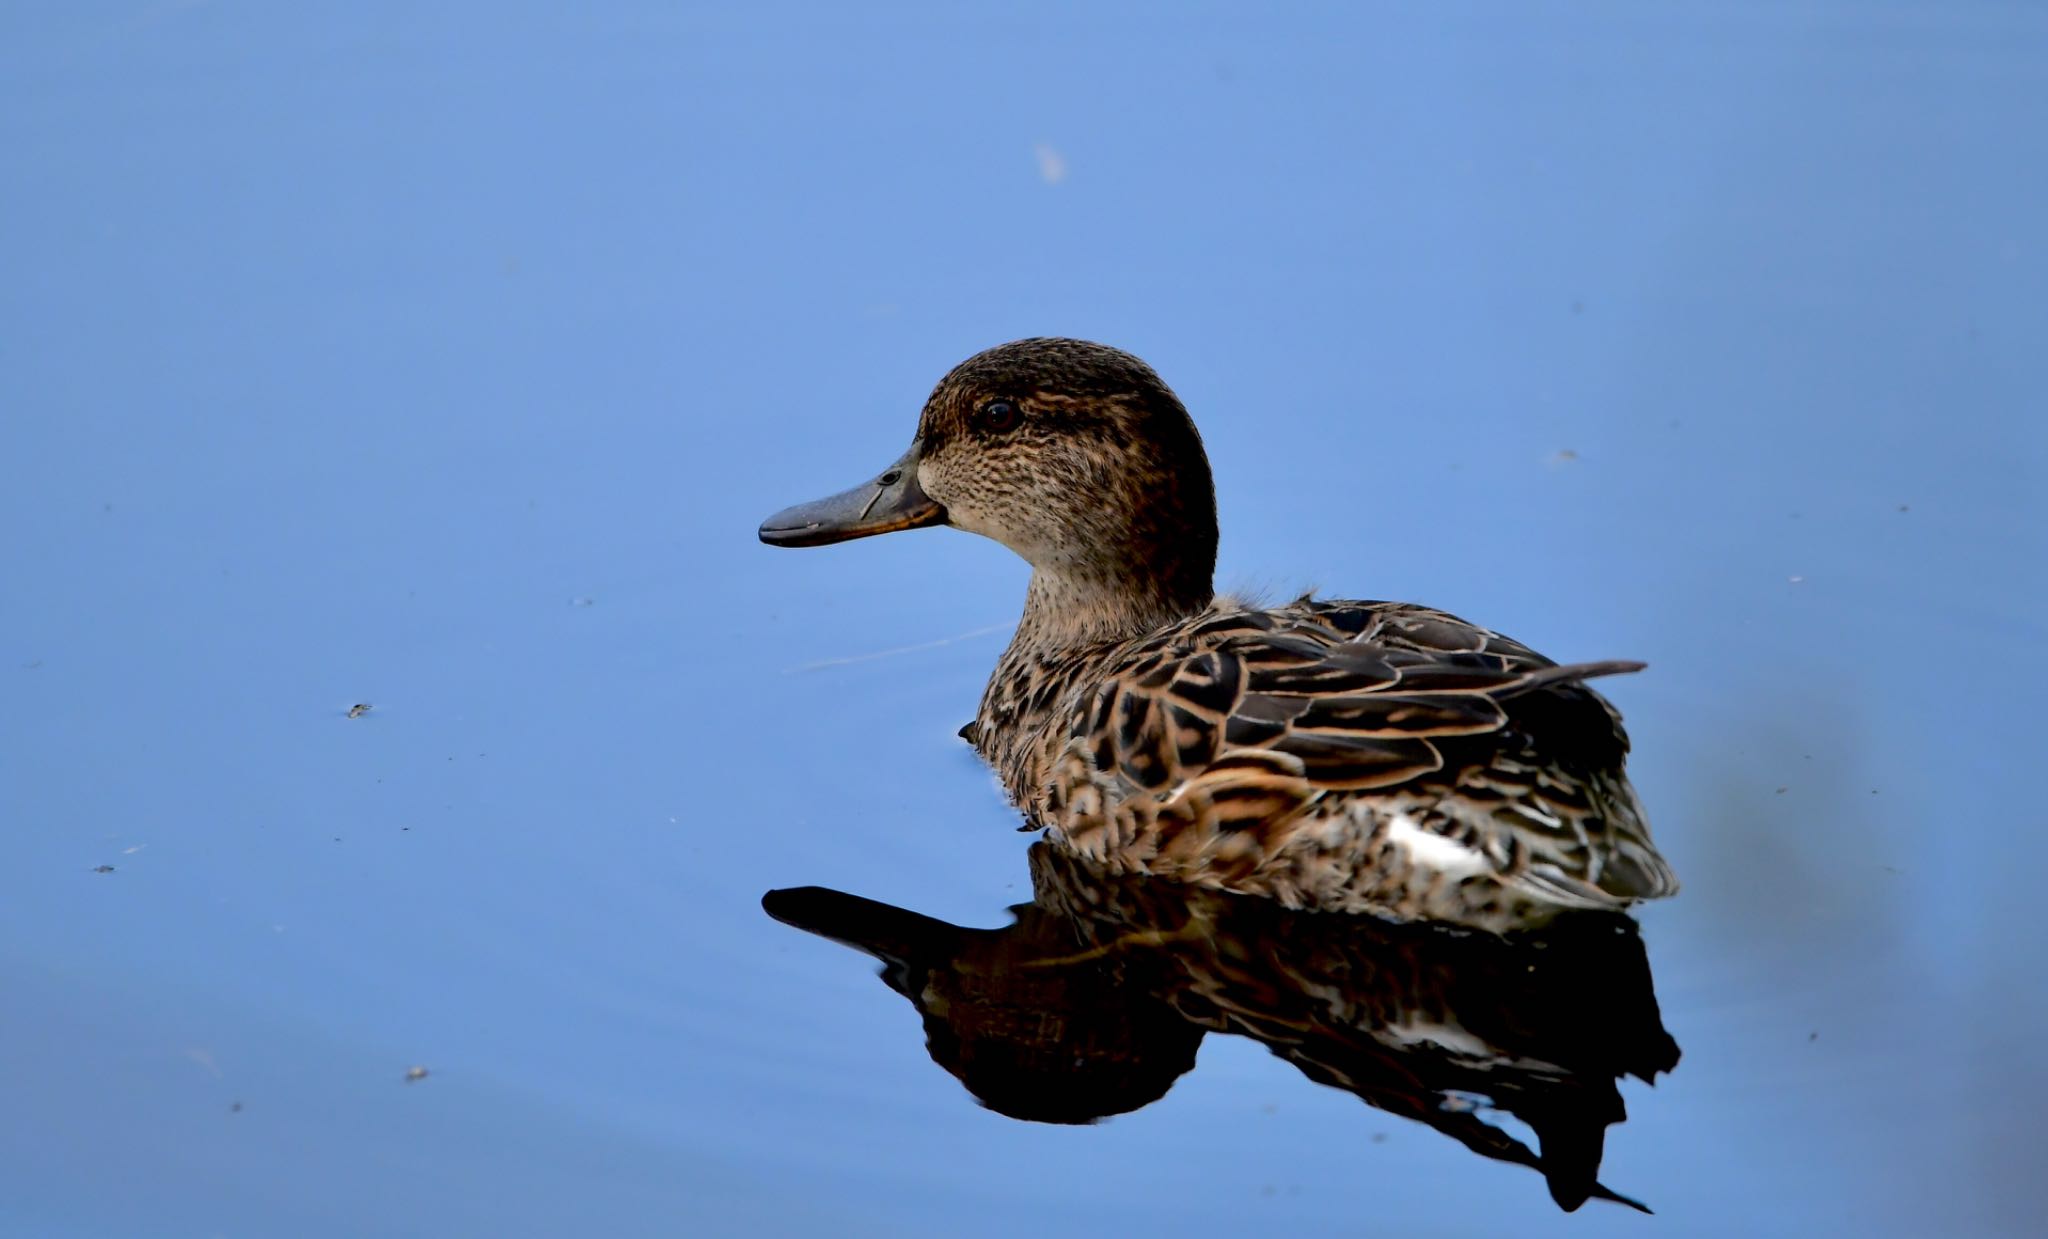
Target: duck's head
[{"x": 1074, "y": 455}]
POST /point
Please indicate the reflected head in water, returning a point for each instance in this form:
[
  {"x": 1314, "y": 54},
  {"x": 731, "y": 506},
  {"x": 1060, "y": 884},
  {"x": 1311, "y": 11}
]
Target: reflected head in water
[
  {"x": 1093, "y": 1002},
  {"x": 1035, "y": 1026},
  {"x": 1348, "y": 756}
]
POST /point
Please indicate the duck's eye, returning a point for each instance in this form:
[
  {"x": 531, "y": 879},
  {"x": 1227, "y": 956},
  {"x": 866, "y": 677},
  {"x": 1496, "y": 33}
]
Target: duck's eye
[{"x": 998, "y": 415}]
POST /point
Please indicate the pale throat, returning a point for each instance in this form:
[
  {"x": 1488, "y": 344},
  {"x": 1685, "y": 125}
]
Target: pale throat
[{"x": 1069, "y": 605}]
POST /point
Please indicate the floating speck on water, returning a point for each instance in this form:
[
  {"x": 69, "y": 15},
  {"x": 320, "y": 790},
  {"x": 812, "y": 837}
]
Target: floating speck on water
[
  {"x": 359, "y": 709},
  {"x": 1052, "y": 166}
]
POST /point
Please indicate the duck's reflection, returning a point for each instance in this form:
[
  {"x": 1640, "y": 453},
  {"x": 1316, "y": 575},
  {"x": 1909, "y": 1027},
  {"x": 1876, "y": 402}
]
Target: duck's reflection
[{"x": 1095, "y": 1000}]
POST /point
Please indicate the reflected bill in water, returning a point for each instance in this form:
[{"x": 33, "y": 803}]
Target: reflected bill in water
[{"x": 1093, "y": 1002}]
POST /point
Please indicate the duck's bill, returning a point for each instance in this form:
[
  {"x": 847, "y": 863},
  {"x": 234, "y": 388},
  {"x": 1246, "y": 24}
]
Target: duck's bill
[{"x": 892, "y": 501}]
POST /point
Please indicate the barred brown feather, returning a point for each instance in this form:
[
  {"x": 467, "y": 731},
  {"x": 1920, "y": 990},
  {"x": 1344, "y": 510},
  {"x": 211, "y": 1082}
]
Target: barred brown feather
[{"x": 1375, "y": 753}]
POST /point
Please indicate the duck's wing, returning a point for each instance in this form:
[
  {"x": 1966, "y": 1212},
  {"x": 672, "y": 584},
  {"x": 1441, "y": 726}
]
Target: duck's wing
[{"x": 1232, "y": 727}]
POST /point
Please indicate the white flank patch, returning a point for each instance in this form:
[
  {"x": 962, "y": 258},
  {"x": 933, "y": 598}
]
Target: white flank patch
[
  {"x": 1456, "y": 1040},
  {"x": 1429, "y": 850}
]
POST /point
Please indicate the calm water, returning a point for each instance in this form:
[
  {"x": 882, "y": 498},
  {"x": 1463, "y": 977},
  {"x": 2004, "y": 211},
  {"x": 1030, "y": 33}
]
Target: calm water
[{"x": 444, "y": 362}]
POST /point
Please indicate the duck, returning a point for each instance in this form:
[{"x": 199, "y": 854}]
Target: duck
[{"x": 1348, "y": 756}]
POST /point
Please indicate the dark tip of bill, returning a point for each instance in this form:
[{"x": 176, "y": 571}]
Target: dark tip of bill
[{"x": 789, "y": 529}]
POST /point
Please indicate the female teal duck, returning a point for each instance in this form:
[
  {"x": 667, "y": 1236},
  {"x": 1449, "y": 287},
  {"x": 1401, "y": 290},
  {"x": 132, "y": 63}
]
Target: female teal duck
[{"x": 1351, "y": 756}]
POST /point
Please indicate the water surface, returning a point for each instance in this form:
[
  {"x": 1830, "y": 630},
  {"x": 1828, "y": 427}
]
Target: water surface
[{"x": 444, "y": 361}]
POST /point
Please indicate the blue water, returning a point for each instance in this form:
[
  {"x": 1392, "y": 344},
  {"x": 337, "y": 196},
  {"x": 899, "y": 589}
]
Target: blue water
[{"x": 444, "y": 358}]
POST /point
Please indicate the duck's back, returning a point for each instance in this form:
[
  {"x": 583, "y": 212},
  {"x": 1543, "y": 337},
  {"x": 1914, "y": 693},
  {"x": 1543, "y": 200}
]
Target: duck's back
[{"x": 1354, "y": 756}]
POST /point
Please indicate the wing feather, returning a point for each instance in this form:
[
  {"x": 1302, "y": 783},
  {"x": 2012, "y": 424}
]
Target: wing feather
[{"x": 1222, "y": 732}]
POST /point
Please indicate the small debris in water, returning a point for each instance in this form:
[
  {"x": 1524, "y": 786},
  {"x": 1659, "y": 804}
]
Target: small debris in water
[
  {"x": 359, "y": 709},
  {"x": 414, "y": 1075},
  {"x": 1052, "y": 166}
]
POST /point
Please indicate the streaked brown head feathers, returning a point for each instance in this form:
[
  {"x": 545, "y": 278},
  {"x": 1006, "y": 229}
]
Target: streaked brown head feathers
[{"x": 1092, "y": 471}]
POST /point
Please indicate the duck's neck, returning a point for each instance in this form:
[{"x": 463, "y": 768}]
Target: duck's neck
[
  {"x": 1065, "y": 610},
  {"x": 1072, "y": 624}
]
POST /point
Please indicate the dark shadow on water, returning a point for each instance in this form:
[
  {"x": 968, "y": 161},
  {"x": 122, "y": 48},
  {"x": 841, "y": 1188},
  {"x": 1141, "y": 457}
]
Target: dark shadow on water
[{"x": 1094, "y": 1001}]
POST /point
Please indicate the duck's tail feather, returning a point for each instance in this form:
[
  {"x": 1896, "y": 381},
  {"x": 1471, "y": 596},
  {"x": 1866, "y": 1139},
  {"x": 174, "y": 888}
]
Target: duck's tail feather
[{"x": 1571, "y": 673}]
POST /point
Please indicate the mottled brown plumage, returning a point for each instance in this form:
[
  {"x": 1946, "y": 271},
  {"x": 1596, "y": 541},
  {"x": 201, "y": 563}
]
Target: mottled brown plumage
[{"x": 1352, "y": 756}]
